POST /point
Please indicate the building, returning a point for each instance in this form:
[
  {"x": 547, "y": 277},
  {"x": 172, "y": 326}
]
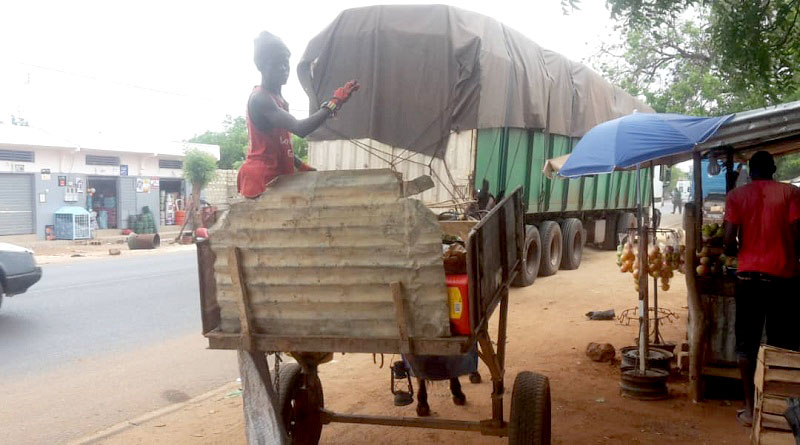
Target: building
[{"x": 41, "y": 172}]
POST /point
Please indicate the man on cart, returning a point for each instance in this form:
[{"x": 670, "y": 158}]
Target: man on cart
[
  {"x": 763, "y": 229},
  {"x": 269, "y": 123}
]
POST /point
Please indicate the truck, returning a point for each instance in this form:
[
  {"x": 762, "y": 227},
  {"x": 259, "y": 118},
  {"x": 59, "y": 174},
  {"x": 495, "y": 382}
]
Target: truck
[{"x": 496, "y": 108}]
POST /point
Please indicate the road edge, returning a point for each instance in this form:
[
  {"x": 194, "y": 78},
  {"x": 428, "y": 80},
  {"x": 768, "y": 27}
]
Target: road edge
[{"x": 137, "y": 421}]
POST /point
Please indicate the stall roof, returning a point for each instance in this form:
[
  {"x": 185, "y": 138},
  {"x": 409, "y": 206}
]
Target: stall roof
[{"x": 775, "y": 129}]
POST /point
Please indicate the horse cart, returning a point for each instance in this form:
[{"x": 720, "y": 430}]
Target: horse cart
[{"x": 346, "y": 261}]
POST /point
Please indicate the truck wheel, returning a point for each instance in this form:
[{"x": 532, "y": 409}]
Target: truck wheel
[
  {"x": 531, "y": 256},
  {"x": 611, "y": 239},
  {"x": 530, "y": 410},
  {"x": 625, "y": 221},
  {"x": 573, "y": 244},
  {"x": 551, "y": 248},
  {"x": 299, "y": 406}
]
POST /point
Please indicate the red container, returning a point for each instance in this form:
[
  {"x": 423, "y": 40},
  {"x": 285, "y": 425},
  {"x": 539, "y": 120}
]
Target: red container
[{"x": 458, "y": 298}]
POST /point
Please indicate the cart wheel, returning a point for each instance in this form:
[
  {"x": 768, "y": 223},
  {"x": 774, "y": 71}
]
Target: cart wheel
[
  {"x": 531, "y": 255},
  {"x": 551, "y": 248},
  {"x": 300, "y": 407},
  {"x": 573, "y": 244},
  {"x": 530, "y": 410}
]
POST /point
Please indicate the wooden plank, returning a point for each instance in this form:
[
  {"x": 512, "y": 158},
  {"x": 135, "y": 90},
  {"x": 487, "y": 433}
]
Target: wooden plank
[
  {"x": 774, "y": 421},
  {"x": 782, "y": 389},
  {"x": 210, "y": 312},
  {"x": 781, "y": 357},
  {"x": 245, "y": 315},
  {"x": 773, "y": 437},
  {"x": 773, "y": 405},
  {"x": 261, "y": 419},
  {"x": 772, "y": 374},
  {"x": 401, "y": 310},
  {"x": 730, "y": 373},
  {"x": 386, "y": 345}
]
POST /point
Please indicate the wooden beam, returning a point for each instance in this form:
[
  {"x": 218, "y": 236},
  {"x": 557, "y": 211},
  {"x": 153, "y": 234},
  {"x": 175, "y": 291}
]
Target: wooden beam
[
  {"x": 401, "y": 314},
  {"x": 697, "y": 316},
  {"x": 242, "y": 300},
  {"x": 262, "y": 420},
  {"x": 484, "y": 427}
]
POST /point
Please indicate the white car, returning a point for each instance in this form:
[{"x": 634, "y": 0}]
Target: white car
[{"x": 18, "y": 270}]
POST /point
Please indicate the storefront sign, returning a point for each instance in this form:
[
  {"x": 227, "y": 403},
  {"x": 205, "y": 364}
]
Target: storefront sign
[
  {"x": 123, "y": 170},
  {"x": 19, "y": 168},
  {"x": 143, "y": 185},
  {"x": 45, "y": 174},
  {"x": 62, "y": 181},
  {"x": 155, "y": 183}
]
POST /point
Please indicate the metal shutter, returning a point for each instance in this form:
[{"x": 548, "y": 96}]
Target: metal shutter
[
  {"x": 16, "y": 204},
  {"x": 126, "y": 200}
]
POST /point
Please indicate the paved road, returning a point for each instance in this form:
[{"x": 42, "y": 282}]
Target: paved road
[{"x": 99, "y": 341}]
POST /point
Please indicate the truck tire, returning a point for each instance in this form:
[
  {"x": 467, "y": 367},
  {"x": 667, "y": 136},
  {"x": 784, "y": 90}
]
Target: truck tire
[
  {"x": 625, "y": 221},
  {"x": 531, "y": 256},
  {"x": 299, "y": 409},
  {"x": 552, "y": 244},
  {"x": 611, "y": 240},
  {"x": 572, "y": 229},
  {"x": 530, "y": 410}
]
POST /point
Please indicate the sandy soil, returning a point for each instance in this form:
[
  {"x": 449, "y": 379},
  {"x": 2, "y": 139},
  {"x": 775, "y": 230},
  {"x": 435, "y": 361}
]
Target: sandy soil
[{"x": 548, "y": 333}]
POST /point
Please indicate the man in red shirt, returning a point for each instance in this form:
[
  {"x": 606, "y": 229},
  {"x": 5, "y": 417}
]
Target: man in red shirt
[
  {"x": 270, "y": 124},
  {"x": 762, "y": 227}
]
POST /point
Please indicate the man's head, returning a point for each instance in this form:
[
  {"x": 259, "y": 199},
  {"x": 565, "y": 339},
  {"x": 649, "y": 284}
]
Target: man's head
[
  {"x": 272, "y": 59},
  {"x": 762, "y": 165}
]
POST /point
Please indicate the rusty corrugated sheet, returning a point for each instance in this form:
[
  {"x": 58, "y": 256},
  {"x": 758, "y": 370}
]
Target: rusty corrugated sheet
[
  {"x": 365, "y": 153},
  {"x": 319, "y": 250}
]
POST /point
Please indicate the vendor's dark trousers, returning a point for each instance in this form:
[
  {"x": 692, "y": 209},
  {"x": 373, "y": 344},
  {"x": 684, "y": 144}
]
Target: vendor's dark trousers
[
  {"x": 677, "y": 207},
  {"x": 762, "y": 299}
]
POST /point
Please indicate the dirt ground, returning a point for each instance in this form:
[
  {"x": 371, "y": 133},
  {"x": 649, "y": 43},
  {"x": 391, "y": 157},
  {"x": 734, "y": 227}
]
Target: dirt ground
[{"x": 548, "y": 333}]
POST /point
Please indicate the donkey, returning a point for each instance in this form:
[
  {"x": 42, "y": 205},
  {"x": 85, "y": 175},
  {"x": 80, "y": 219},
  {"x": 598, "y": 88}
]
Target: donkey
[{"x": 442, "y": 367}]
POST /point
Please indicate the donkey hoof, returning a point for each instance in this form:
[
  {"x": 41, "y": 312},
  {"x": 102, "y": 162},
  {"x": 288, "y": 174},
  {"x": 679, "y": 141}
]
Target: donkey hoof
[
  {"x": 475, "y": 377},
  {"x": 423, "y": 410},
  {"x": 459, "y": 399}
]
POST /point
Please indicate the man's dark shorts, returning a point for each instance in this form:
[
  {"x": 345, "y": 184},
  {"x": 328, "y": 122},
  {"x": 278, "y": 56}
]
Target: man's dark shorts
[{"x": 761, "y": 299}]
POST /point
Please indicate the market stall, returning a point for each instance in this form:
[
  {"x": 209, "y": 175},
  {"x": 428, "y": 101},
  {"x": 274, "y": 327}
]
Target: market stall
[{"x": 710, "y": 277}]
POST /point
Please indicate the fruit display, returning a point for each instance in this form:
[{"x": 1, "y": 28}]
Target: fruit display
[
  {"x": 662, "y": 262},
  {"x": 710, "y": 260}
]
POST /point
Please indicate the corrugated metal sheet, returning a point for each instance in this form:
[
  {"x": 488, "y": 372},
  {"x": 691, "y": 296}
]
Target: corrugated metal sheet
[
  {"x": 319, "y": 251},
  {"x": 459, "y": 159},
  {"x": 16, "y": 204}
]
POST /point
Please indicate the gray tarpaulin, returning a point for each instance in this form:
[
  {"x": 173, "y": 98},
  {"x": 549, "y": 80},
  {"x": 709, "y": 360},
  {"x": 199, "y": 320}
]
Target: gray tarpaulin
[{"x": 429, "y": 70}]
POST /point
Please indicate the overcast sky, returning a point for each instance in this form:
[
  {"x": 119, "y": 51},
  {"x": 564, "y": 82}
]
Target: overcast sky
[{"x": 166, "y": 70}]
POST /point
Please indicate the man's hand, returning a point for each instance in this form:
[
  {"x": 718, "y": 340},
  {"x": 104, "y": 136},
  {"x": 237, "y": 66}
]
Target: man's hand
[{"x": 341, "y": 95}]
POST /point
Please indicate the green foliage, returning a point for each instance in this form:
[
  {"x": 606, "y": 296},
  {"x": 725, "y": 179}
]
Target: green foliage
[
  {"x": 788, "y": 167},
  {"x": 300, "y": 147},
  {"x": 705, "y": 57},
  {"x": 232, "y": 140},
  {"x": 199, "y": 168}
]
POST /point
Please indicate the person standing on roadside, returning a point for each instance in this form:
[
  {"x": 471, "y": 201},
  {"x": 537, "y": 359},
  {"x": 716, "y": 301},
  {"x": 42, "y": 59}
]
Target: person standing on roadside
[
  {"x": 677, "y": 200},
  {"x": 762, "y": 229}
]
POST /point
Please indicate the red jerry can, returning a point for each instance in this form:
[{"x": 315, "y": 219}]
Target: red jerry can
[{"x": 458, "y": 297}]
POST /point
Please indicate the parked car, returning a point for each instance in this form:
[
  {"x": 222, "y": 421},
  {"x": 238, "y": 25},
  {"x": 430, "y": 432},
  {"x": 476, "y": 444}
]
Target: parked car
[{"x": 18, "y": 270}]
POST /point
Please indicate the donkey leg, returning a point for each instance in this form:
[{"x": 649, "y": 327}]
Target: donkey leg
[
  {"x": 475, "y": 377},
  {"x": 423, "y": 410},
  {"x": 455, "y": 388}
]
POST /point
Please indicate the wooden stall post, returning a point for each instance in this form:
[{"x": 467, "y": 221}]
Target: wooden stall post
[{"x": 697, "y": 316}]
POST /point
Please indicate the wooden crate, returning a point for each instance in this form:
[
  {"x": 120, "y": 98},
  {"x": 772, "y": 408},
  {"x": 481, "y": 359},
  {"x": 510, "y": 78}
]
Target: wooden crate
[{"x": 777, "y": 378}]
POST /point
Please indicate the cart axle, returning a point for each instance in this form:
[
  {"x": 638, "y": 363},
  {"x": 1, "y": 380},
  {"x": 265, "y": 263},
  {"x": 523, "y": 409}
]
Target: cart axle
[{"x": 485, "y": 427}]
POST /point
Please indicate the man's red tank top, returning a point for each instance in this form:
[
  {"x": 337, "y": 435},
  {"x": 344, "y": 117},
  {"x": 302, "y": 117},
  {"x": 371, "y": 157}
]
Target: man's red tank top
[{"x": 269, "y": 156}]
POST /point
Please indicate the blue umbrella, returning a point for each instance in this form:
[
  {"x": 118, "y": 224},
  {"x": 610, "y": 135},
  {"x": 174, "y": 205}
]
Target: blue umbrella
[{"x": 635, "y": 139}]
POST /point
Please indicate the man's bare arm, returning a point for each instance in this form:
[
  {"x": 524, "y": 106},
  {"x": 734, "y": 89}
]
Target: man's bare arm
[
  {"x": 731, "y": 238},
  {"x": 276, "y": 117}
]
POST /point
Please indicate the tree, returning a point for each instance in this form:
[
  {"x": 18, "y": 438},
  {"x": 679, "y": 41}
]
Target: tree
[
  {"x": 199, "y": 168},
  {"x": 232, "y": 141},
  {"x": 300, "y": 146},
  {"x": 706, "y": 57}
]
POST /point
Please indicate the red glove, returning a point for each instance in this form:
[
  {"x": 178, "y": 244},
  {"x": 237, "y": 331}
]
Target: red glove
[{"x": 343, "y": 93}]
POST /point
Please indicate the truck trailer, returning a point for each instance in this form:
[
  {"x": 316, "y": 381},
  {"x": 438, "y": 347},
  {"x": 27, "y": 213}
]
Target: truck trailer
[{"x": 481, "y": 109}]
